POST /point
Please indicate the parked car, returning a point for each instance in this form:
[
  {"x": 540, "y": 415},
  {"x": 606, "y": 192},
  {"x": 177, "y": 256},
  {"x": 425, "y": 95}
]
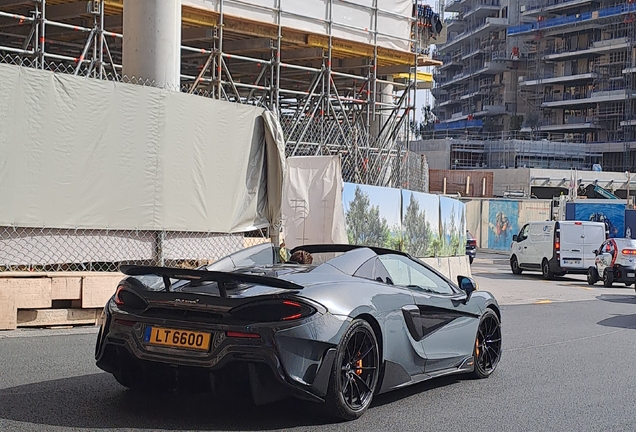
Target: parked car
[
  {"x": 615, "y": 261},
  {"x": 345, "y": 325},
  {"x": 471, "y": 246},
  {"x": 556, "y": 247}
]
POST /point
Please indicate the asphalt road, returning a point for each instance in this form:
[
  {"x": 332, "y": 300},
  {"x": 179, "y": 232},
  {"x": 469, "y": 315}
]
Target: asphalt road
[{"x": 568, "y": 365}]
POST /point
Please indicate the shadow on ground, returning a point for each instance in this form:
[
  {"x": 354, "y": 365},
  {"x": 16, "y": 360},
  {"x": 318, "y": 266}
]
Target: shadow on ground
[
  {"x": 97, "y": 402},
  {"x": 620, "y": 321},
  {"x": 618, "y": 298}
]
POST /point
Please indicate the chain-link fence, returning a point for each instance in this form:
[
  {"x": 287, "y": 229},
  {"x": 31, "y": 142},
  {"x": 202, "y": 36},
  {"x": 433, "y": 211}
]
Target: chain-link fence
[
  {"x": 378, "y": 158},
  {"x": 54, "y": 250}
]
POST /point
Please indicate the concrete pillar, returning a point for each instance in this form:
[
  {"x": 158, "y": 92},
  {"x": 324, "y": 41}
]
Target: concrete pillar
[
  {"x": 152, "y": 41},
  {"x": 383, "y": 112}
]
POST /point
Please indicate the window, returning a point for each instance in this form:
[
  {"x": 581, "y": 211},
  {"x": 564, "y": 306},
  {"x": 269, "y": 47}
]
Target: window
[
  {"x": 373, "y": 270},
  {"x": 406, "y": 272},
  {"x": 523, "y": 234}
]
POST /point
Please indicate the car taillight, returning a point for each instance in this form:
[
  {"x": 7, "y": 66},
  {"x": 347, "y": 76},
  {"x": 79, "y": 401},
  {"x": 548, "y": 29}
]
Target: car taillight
[
  {"x": 273, "y": 311},
  {"x": 124, "y": 298},
  {"x": 628, "y": 251}
]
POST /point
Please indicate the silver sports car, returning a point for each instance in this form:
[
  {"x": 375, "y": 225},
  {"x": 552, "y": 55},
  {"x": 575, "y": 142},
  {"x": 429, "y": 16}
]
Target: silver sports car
[{"x": 344, "y": 324}]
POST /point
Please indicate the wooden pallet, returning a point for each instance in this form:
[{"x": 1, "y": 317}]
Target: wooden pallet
[{"x": 27, "y": 299}]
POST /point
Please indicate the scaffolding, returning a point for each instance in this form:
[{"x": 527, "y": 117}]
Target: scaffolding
[
  {"x": 578, "y": 84},
  {"x": 333, "y": 95}
]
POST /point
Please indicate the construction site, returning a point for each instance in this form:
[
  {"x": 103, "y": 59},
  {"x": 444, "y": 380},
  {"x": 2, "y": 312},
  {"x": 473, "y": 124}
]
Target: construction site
[
  {"x": 553, "y": 86},
  {"x": 341, "y": 75}
]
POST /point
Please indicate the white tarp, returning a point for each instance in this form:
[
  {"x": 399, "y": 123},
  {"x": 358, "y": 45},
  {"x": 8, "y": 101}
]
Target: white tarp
[
  {"x": 353, "y": 20},
  {"x": 312, "y": 201},
  {"x": 79, "y": 153}
]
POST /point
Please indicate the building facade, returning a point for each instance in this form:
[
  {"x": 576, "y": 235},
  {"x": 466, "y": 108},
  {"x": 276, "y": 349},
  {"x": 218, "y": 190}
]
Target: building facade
[
  {"x": 476, "y": 88},
  {"x": 581, "y": 58}
]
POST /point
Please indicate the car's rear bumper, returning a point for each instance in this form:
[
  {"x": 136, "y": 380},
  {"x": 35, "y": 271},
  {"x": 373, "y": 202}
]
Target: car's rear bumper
[
  {"x": 298, "y": 367},
  {"x": 624, "y": 274}
]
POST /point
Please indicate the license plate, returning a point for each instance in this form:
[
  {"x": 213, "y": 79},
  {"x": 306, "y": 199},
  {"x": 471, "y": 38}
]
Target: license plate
[
  {"x": 630, "y": 275},
  {"x": 177, "y": 338},
  {"x": 570, "y": 261}
]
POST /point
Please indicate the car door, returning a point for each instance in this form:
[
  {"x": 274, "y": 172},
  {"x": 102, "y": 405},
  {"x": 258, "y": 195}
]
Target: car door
[
  {"x": 603, "y": 257},
  {"x": 447, "y": 326},
  {"x": 522, "y": 245}
]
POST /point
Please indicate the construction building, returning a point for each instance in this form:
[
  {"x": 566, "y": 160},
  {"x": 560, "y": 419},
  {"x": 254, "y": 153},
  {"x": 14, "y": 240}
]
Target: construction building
[
  {"x": 563, "y": 97},
  {"x": 476, "y": 87},
  {"x": 341, "y": 75},
  {"x": 581, "y": 69}
]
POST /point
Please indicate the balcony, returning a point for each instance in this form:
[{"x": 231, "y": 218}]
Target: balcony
[
  {"x": 584, "y": 98},
  {"x": 548, "y": 7},
  {"x": 488, "y": 68},
  {"x": 488, "y": 25},
  {"x": 596, "y": 48},
  {"x": 548, "y": 79},
  {"x": 453, "y": 6},
  {"x": 491, "y": 110},
  {"x": 448, "y": 102},
  {"x": 631, "y": 122},
  {"x": 629, "y": 70},
  {"x": 455, "y": 24},
  {"x": 482, "y": 9}
]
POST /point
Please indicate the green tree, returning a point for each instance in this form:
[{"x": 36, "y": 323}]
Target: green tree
[
  {"x": 516, "y": 122},
  {"x": 364, "y": 225}
]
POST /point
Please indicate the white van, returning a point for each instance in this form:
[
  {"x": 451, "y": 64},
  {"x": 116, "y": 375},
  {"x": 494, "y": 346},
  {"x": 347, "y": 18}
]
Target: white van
[{"x": 556, "y": 247}]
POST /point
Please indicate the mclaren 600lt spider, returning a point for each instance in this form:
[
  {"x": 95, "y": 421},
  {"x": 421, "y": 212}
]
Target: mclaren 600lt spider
[{"x": 355, "y": 322}]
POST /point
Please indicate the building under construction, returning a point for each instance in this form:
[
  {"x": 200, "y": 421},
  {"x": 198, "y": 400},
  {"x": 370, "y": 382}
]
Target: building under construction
[
  {"x": 563, "y": 96},
  {"x": 476, "y": 87},
  {"x": 581, "y": 70},
  {"x": 341, "y": 74}
]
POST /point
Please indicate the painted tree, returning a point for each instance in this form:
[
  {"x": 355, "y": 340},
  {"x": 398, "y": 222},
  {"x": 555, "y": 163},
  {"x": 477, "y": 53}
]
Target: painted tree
[
  {"x": 417, "y": 229},
  {"x": 364, "y": 225}
]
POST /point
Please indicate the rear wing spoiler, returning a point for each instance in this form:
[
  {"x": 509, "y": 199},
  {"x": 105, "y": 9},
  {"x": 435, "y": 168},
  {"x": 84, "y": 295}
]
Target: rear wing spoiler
[{"x": 221, "y": 278}]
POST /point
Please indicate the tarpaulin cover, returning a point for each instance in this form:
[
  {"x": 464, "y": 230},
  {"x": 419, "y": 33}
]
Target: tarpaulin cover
[
  {"x": 354, "y": 20},
  {"x": 83, "y": 153},
  {"x": 312, "y": 201}
]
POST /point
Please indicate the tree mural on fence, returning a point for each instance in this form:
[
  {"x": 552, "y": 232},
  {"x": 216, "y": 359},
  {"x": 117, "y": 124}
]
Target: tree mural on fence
[
  {"x": 364, "y": 225},
  {"x": 417, "y": 230}
]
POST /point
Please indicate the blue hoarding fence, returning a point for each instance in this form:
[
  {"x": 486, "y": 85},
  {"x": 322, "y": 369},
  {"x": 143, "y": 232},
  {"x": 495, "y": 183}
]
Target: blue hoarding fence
[{"x": 461, "y": 124}]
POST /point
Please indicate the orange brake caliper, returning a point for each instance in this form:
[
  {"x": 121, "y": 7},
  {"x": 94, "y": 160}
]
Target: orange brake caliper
[{"x": 359, "y": 366}]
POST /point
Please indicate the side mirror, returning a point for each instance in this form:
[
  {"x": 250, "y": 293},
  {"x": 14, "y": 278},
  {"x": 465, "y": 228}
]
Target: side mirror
[
  {"x": 595, "y": 251},
  {"x": 514, "y": 237},
  {"x": 467, "y": 285}
]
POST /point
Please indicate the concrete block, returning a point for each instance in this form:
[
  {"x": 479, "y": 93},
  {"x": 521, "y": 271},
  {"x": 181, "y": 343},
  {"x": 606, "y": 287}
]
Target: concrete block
[
  {"x": 31, "y": 293},
  {"x": 66, "y": 288},
  {"x": 96, "y": 290},
  {"x": 8, "y": 310},
  {"x": 56, "y": 317}
]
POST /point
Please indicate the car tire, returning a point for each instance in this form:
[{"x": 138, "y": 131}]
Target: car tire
[
  {"x": 608, "y": 278},
  {"x": 514, "y": 266},
  {"x": 592, "y": 276},
  {"x": 487, "y": 349},
  {"x": 545, "y": 270},
  {"x": 470, "y": 259},
  {"x": 354, "y": 375}
]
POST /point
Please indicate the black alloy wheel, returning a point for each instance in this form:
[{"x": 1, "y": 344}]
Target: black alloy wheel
[
  {"x": 592, "y": 276},
  {"x": 608, "y": 278},
  {"x": 355, "y": 372},
  {"x": 514, "y": 266},
  {"x": 487, "y": 350}
]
